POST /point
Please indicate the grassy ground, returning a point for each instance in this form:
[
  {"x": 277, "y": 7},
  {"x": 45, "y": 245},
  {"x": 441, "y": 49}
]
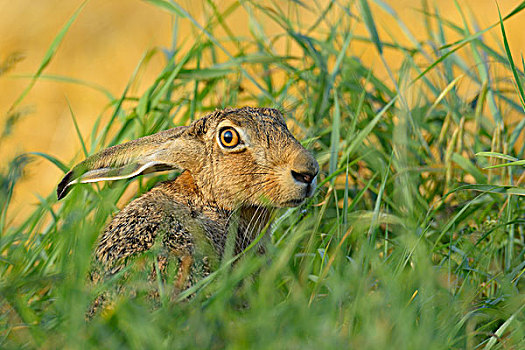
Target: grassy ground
[{"x": 410, "y": 241}]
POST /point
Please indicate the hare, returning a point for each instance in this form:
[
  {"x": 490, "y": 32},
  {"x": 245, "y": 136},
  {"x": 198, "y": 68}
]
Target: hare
[{"x": 243, "y": 160}]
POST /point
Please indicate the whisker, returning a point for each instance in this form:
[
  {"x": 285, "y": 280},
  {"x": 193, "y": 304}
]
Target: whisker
[
  {"x": 248, "y": 235},
  {"x": 247, "y": 174}
]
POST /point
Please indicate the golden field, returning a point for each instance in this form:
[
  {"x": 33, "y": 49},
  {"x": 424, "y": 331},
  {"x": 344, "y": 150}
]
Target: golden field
[{"x": 104, "y": 46}]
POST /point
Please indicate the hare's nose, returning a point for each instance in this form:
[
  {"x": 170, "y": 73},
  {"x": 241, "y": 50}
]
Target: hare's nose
[
  {"x": 304, "y": 167},
  {"x": 306, "y": 178}
]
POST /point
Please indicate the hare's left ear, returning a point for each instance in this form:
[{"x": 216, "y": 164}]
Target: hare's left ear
[{"x": 177, "y": 148}]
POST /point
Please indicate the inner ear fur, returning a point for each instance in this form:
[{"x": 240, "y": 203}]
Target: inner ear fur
[{"x": 177, "y": 148}]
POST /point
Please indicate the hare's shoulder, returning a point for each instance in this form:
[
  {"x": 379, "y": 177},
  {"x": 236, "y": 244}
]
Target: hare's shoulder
[
  {"x": 173, "y": 213},
  {"x": 142, "y": 222}
]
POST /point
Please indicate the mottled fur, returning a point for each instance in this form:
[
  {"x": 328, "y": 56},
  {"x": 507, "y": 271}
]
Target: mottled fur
[{"x": 191, "y": 215}]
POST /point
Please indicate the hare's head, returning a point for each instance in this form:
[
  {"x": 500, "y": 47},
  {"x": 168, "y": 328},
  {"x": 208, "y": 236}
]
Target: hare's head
[{"x": 236, "y": 157}]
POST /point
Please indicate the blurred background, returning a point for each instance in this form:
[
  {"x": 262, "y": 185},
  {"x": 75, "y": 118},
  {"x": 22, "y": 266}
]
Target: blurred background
[{"x": 104, "y": 46}]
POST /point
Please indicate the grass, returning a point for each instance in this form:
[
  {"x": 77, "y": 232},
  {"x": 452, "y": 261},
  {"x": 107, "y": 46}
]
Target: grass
[{"x": 414, "y": 239}]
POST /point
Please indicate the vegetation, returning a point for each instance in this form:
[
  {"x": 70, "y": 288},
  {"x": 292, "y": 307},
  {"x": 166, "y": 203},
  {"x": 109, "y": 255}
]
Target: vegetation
[{"x": 414, "y": 239}]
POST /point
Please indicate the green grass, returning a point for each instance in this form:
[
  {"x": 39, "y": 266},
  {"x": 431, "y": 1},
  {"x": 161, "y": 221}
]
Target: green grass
[{"x": 411, "y": 241}]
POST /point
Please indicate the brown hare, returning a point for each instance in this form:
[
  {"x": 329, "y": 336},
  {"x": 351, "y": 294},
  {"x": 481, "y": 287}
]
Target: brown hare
[{"x": 243, "y": 160}]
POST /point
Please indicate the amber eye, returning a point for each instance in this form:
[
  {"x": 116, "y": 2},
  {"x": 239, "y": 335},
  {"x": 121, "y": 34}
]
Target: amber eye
[{"x": 229, "y": 137}]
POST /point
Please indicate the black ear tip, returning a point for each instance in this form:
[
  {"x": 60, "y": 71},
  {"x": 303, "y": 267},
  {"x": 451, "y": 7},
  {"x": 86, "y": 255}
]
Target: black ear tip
[{"x": 63, "y": 187}]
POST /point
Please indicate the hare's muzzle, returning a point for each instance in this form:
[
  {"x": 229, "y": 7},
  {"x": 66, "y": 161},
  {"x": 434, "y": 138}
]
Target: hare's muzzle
[{"x": 304, "y": 171}]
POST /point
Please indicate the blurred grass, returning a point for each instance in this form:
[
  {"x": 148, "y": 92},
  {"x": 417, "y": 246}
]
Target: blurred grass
[{"x": 409, "y": 242}]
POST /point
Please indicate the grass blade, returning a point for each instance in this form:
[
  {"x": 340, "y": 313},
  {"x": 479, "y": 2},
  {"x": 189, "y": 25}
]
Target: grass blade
[
  {"x": 517, "y": 79},
  {"x": 370, "y": 25},
  {"x": 48, "y": 56},
  {"x": 52, "y": 159}
]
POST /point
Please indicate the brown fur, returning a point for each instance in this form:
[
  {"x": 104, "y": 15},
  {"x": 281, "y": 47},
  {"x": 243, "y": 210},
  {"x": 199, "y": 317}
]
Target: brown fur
[{"x": 191, "y": 215}]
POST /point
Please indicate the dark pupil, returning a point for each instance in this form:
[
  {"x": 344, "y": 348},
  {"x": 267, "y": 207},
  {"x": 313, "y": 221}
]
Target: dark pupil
[{"x": 228, "y": 137}]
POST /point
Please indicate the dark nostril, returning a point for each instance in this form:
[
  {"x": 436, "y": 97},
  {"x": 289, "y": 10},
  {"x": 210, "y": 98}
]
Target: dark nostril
[{"x": 303, "y": 177}]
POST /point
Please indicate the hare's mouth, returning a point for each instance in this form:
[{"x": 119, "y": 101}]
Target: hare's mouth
[{"x": 293, "y": 202}]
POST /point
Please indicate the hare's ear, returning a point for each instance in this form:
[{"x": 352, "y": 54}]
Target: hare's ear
[{"x": 171, "y": 149}]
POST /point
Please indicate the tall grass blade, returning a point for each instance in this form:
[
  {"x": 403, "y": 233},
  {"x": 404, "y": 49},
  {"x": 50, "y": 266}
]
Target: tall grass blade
[
  {"x": 52, "y": 159},
  {"x": 370, "y": 25},
  {"x": 517, "y": 79},
  {"x": 48, "y": 56}
]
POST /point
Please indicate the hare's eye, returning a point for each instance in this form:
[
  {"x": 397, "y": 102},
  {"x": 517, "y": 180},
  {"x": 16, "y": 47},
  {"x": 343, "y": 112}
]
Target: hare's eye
[{"x": 229, "y": 137}]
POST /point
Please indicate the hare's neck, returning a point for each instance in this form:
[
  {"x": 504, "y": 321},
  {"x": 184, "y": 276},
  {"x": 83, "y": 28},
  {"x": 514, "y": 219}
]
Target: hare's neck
[{"x": 252, "y": 221}]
